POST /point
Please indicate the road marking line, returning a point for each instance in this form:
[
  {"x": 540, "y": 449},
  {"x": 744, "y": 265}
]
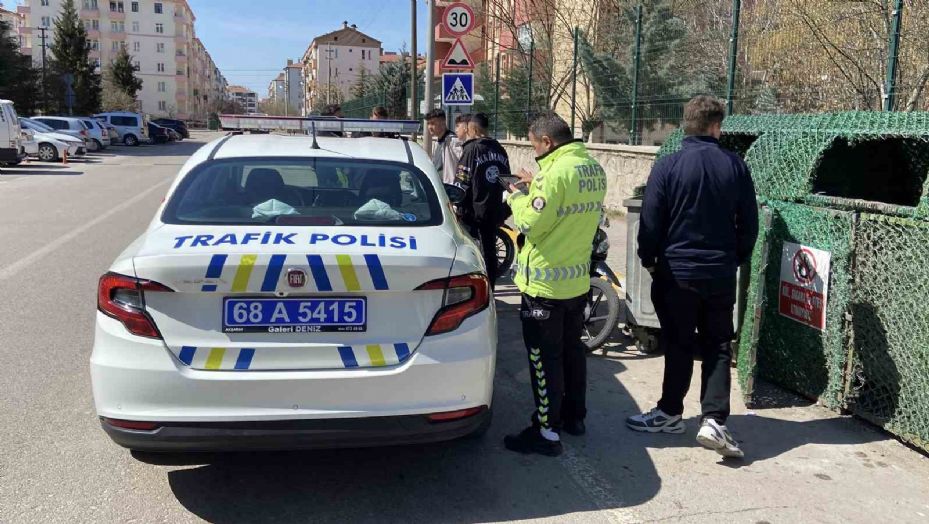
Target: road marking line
[
  {"x": 31, "y": 258},
  {"x": 586, "y": 477}
]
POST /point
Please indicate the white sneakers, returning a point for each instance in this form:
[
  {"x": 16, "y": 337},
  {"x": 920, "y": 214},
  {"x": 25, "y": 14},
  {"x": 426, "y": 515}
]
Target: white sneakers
[
  {"x": 712, "y": 434},
  {"x": 656, "y": 421},
  {"x": 715, "y": 436}
]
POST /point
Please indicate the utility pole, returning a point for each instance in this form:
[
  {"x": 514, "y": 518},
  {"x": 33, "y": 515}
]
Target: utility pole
[
  {"x": 43, "y": 30},
  {"x": 287, "y": 91},
  {"x": 529, "y": 86},
  {"x": 497, "y": 93},
  {"x": 414, "y": 58},
  {"x": 733, "y": 55},
  {"x": 893, "y": 59},
  {"x": 574, "y": 82},
  {"x": 329, "y": 73},
  {"x": 430, "y": 65}
]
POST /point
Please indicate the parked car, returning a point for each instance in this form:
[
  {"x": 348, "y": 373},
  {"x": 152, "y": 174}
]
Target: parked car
[
  {"x": 48, "y": 148},
  {"x": 70, "y": 126},
  {"x": 178, "y": 125},
  {"x": 131, "y": 127},
  {"x": 158, "y": 134},
  {"x": 174, "y": 136},
  {"x": 80, "y": 147},
  {"x": 11, "y": 135},
  {"x": 111, "y": 130},
  {"x": 98, "y": 133}
]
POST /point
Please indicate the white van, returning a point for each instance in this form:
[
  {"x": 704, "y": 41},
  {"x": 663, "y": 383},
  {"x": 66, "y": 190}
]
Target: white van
[
  {"x": 11, "y": 135},
  {"x": 131, "y": 127}
]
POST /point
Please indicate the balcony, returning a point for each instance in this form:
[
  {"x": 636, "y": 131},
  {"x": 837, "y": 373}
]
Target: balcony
[
  {"x": 180, "y": 58},
  {"x": 90, "y": 13},
  {"x": 24, "y": 9},
  {"x": 116, "y": 15},
  {"x": 93, "y": 34},
  {"x": 119, "y": 36}
]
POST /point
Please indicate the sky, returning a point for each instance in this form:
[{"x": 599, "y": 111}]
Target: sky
[{"x": 251, "y": 40}]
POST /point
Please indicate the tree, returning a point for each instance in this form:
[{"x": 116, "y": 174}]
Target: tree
[
  {"x": 18, "y": 79},
  {"x": 362, "y": 85},
  {"x": 120, "y": 74},
  {"x": 115, "y": 99},
  {"x": 391, "y": 83},
  {"x": 515, "y": 100},
  {"x": 277, "y": 106},
  {"x": 71, "y": 52}
]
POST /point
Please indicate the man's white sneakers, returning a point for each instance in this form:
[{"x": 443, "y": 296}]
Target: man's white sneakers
[
  {"x": 656, "y": 421},
  {"x": 715, "y": 436}
]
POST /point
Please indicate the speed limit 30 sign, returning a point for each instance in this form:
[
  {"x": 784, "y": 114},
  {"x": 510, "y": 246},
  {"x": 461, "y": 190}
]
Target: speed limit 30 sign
[{"x": 458, "y": 19}]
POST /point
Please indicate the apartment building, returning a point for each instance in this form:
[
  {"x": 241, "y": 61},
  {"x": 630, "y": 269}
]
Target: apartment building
[
  {"x": 173, "y": 64},
  {"x": 332, "y": 62},
  {"x": 276, "y": 89},
  {"x": 245, "y": 97}
]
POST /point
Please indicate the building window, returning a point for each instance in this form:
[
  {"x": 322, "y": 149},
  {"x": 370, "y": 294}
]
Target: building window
[
  {"x": 159, "y": 9},
  {"x": 136, "y": 66},
  {"x": 46, "y": 21},
  {"x": 115, "y": 46},
  {"x": 135, "y": 7},
  {"x": 160, "y": 47},
  {"x": 94, "y": 45},
  {"x": 118, "y": 27},
  {"x": 44, "y": 3},
  {"x": 162, "y": 105},
  {"x": 136, "y": 47},
  {"x": 161, "y": 67},
  {"x": 90, "y": 4},
  {"x": 135, "y": 27},
  {"x": 160, "y": 28},
  {"x": 161, "y": 87},
  {"x": 117, "y": 7}
]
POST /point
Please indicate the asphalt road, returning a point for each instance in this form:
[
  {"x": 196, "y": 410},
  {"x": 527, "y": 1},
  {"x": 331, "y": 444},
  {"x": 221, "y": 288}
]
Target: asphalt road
[{"x": 61, "y": 227}]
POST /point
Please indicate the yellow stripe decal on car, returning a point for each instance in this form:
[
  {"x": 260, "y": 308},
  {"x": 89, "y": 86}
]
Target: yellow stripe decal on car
[
  {"x": 348, "y": 272},
  {"x": 215, "y": 360},
  {"x": 376, "y": 355},
  {"x": 243, "y": 273}
]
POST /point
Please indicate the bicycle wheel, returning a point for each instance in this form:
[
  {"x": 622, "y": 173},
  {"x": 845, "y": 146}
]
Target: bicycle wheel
[{"x": 601, "y": 313}]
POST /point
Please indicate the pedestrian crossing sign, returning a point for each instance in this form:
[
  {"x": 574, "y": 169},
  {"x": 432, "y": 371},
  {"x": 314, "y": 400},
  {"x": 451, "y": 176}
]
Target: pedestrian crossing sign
[{"x": 458, "y": 89}]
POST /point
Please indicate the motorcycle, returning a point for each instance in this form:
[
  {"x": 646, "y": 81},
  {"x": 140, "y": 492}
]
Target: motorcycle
[{"x": 601, "y": 313}]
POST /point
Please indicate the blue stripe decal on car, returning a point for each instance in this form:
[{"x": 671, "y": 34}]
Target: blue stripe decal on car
[
  {"x": 187, "y": 354},
  {"x": 214, "y": 270},
  {"x": 245, "y": 358},
  {"x": 273, "y": 273},
  {"x": 319, "y": 273},
  {"x": 348, "y": 357},
  {"x": 377, "y": 272},
  {"x": 403, "y": 351}
]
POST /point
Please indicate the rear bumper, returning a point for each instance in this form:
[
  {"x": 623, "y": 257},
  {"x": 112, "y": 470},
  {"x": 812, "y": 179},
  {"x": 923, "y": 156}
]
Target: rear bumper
[
  {"x": 139, "y": 379},
  {"x": 295, "y": 434},
  {"x": 11, "y": 155}
]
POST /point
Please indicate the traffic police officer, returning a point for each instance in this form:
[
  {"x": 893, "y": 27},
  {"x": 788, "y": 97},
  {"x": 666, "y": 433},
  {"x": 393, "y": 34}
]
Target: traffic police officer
[{"x": 557, "y": 219}]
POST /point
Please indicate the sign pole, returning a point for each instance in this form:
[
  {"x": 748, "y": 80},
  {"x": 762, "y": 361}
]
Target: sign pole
[{"x": 430, "y": 66}]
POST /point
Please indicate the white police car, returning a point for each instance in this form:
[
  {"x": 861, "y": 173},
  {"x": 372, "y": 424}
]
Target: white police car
[{"x": 287, "y": 296}]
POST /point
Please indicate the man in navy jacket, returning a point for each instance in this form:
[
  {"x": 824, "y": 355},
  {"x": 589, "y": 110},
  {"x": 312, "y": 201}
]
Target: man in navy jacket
[{"x": 699, "y": 223}]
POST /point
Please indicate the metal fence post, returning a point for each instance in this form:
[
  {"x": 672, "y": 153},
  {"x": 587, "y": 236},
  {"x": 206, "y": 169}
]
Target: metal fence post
[
  {"x": 636, "y": 65},
  {"x": 497, "y": 94},
  {"x": 733, "y": 55},
  {"x": 574, "y": 82},
  {"x": 893, "y": 59}
]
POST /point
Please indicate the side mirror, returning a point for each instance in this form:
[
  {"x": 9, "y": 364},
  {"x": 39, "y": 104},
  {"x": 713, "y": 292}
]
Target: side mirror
[{"x": 456, "y": 195}]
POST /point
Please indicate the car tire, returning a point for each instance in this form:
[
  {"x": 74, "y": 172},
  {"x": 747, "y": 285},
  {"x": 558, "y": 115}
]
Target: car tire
[
  {"x": 130, "y": 140},
  {"x": 98, "y": 145},
  {"x": 47, "y": 153}
]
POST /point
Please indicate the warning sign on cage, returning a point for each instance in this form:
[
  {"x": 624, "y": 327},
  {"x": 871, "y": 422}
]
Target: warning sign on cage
[{"x": 804, "y": 289}]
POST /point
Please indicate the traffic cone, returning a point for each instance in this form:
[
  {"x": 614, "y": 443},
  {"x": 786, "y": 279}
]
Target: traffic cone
[{"x": 64, "y": 157}]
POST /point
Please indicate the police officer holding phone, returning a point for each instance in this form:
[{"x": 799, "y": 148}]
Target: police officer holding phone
[{"x": 557, "y": 219}]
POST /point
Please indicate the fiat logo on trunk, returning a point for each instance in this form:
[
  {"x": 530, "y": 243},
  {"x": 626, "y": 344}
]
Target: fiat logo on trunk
[{"x": 296, "y": 277}]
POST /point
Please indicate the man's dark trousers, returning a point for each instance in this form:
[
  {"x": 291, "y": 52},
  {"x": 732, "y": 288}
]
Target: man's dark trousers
[
  {"x": 685, "y": 307},
  {"x": 487, "y": 237},
  {"x": 557, "y": 358}
]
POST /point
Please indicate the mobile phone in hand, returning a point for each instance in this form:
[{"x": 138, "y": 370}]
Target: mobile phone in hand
[{"x": 507, "y": 180}]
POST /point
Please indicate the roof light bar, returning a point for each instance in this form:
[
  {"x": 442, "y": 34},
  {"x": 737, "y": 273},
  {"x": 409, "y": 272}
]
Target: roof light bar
[{"x": 322, "y": 124}]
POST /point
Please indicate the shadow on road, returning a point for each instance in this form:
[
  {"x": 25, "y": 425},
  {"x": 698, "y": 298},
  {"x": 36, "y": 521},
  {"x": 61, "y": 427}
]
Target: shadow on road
[
  {"x": 462, "y": 481},
  {"x": 39, "y": 169}
]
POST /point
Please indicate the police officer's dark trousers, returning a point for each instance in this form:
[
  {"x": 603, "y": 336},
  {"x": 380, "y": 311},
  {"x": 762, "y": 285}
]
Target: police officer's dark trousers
[
  {"x": 686, "y": 308},
  {"x": 557, "y": 358}
]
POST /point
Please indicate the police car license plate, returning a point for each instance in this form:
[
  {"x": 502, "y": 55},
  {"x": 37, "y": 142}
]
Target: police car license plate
[{"x": 294, "y": 315}]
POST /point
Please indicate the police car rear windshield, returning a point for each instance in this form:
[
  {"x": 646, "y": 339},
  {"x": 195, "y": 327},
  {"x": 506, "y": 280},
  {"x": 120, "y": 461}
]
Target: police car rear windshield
[{"x": 304, "y": 191}]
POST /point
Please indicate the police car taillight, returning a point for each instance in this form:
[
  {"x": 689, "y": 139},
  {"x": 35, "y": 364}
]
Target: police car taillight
[
  {"x": 123, "y": 298},
  {"x": 465, "y": 295}
]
